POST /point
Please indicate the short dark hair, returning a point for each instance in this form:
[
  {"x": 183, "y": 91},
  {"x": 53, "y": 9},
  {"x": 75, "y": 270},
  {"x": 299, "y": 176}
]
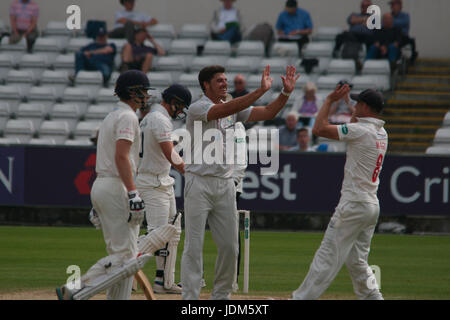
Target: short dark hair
[
  {"x": 207, "y": 73},
  {"x": 301, "y": 130},
  {"x": 291, "y": 3}
]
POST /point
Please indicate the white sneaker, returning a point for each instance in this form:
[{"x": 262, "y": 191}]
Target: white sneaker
[
  {"x": 202, "y": 283},
  {"x": 235, "y": 287},
  {"x": 159, "y": 288}
]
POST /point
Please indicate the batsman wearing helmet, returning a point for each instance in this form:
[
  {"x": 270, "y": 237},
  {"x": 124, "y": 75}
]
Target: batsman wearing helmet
[
  {"x": 155, "y": 185},
  {"x": 115, "y": 198}
]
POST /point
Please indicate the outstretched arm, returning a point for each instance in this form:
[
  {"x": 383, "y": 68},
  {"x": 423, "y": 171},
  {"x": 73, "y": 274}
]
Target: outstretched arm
[
  {"x": 322, "y": 128},
  {"x": 234, "y": 106},
  {"x": 271, "y": 110}
]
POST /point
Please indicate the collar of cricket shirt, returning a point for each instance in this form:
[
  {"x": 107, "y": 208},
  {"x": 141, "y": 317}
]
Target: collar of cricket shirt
[{"x": 375, "y": 121}]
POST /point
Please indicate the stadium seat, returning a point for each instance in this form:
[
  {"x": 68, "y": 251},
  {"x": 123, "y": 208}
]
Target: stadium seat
[
  {"x": 97, "y": 112},
  {"x": 106, "y": 96},
  {"x": 120, "y": 43},
  {"x": 12, "y": 93},
  {"x": 277, "y": 65},
  {"x": 58, "y": 79},
  {"x": 76, "y": 44},
  {"x": 84, "y": 129},
  {"x": 36, "y": 112},
  {"x": 54, "y": 129},
  {"x": 194, "y": 31},
  {"x": 89, "y": 78},
  {"x": 57, "y": 28},
  {"x": 188, "y": 79},
  {"x": 78, "y": 142},
  {"x": 173, "y": 64},
  {"x": 329, "y": 82},
  {"x": 242, "y": 64},
  {"x": 371, "y": 82},
  {"x": 376, "y": 67},
  {"x": 183, "y": 47},
  {"x": 284, "y": 49},
  {"x": 23, "y": 78},
  {"x": 42, "y": 141},
  {"x": 160, "y": 79},
  {"x": 162, "y": 30},
  {"x": 20, "y": 46},
  {"x": 442, "y": 136},
  {"x": 44, "y": 94},
  {"x": 253, "y": 48},
  {"x": 10, "y": 140},
  {"x": 318, "y": 49},
  {"x": 199, "y": 63},
  {"x": 196, "y": 92},
  {"x": 7, "y": 60},
  {"x": 163, "y": 42},
  {"x": 438, "y": 150},
  {"x": 64, "y": 61},
  {"x": 49, "y": 45},
  {"x": 5, "y": 113},
  {"x": 21, "y": 129},
  {"x": 341, "y": 66},
  {"x": 2, "y": 26},
  {"x": 217, "y": 48},
  {"x": 36, "y": 62},
  {"x": 327, "y": 33},
  {"x": 68, "y": 112},
  {"x": 76, "y": 94}
]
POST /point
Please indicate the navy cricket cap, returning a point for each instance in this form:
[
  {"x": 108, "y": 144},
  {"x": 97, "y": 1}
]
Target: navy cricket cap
[
  {"x": 101, "y": 32},
  {"x": 373, "y": 98},
  {"x": 291, "y": 3},
  {"x": 178, "y": 92}
]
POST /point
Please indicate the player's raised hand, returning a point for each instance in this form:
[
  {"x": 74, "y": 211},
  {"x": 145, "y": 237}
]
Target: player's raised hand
[
  {"x": 266, "y": 80},
  {"x": 339, "y": 93},
  {"x": 290, "y": 79}
]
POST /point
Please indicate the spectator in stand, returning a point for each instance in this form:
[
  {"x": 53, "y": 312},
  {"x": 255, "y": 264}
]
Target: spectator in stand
[
  {"x": 137, "y": 55},
  {"x": 358, "y": 31},
  {"x": 23, "y": 15},
  {"x": 402, "y": 20},
  {"x": 386, "y": 41},
  {"x": 294, "y": 24},
  {"x": 341, "y": 111},
  {"x": 227, "y": 23},
  {"x": 310, "y": 105},
  {"x": 128, "y": 20},
  {"x": 303, "y": 141},
  {"x": 98, "y": 55},
  {"x": 288, "y": 132},
  {"x": 239, "y": 86}
]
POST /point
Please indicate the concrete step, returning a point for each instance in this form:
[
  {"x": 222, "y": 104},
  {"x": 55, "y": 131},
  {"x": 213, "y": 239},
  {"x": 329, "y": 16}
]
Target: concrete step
[
  {"x": 412, "y": 120},
  {"x": 433, "y": 62},
  {"x": 421, "y": 86},
  {"x": 422, "y": 78},
  {"x": 422, "y": 95},
  {"x": 432, "y": 112},
  {"x": 411, "y": 128},
  {"x": 408, "y": 137},
  {"x": 434, "y": 70},
  {"x": 407, "y": 147}
]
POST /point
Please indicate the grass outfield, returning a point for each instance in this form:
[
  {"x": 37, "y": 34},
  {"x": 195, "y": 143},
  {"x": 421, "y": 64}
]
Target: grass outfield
[{"x": 412, "y": 267}]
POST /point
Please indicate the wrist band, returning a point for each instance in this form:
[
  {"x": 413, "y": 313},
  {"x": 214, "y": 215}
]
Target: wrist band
[{"x": 284, "y": 93}]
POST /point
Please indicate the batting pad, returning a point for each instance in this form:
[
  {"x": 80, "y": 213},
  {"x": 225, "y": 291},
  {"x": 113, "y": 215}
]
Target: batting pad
[
  {"x": 112, "y": 277},
  {"x": 156, "y": 239}
]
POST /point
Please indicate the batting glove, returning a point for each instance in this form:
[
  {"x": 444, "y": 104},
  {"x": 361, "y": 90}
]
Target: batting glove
[
  {"x": 137, "y": 206},
  {"x": 95, "y": 220}
]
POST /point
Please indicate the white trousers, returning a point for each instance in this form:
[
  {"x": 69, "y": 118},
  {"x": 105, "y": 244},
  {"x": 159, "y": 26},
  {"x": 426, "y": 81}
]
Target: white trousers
[
  {"x": 160, "y": 209},
  {"x": 212, "y": 199},
  {"x": 346, "y": 240},
  {"x": 110, "y": 200}
]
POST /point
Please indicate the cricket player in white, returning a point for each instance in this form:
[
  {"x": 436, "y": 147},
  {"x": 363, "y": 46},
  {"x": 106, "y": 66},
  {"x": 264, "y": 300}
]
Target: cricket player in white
[
  {"x": 153, "y": 181},
  {"x": 210, "y": 192},
  {"x": 115, "y": 198},
  {"x": 349, "y": 233}
]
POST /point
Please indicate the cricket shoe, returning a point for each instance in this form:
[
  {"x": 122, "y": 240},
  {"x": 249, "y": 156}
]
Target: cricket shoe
[
  {"x": 159, "y": 288},
  {"x": 235, "y": 287},
  {"x": 202, "y": 283},
  {"x": 64, "y": 293}
]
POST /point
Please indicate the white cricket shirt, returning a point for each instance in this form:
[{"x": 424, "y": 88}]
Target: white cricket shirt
[
  {"x": 202, "y": 145},
  {"x": 367, "y": 143},
  {"x": 121, "y": 123},
  {"x": 154, "y": 168}
]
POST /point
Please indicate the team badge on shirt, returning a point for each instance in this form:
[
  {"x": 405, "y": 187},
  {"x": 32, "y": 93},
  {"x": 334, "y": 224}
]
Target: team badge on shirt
[{"x": 344, "y": 129}]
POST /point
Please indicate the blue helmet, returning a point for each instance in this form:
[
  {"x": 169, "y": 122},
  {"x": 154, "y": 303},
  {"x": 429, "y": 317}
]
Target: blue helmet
[{"x": 181, "y": 95}]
